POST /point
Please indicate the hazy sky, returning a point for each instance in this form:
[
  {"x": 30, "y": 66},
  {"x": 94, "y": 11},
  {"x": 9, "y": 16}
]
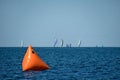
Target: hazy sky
[{"x": 39, "y": 22}]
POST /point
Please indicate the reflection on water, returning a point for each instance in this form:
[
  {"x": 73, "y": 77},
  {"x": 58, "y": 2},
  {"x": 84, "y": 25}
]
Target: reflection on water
[{"x": 29, "y": 74}]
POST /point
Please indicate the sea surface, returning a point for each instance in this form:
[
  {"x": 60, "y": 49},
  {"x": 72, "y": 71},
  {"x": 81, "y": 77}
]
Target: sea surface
[{"x": 84, "y": 63}]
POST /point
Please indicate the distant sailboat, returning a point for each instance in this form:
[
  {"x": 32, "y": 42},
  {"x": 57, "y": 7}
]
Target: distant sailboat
[
  {"x": 21, "y": 44},
  {"x": 102, "y": 46},
  {"x": 62, "y": 42},
  {"x": 68, "y": 45},
  {"x": 79, "y": 43},
  {"x": 55, "y": 43}
]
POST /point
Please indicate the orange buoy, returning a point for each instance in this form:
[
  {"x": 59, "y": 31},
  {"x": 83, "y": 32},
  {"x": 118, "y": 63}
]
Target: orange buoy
[{"x": 32, "y": 61}]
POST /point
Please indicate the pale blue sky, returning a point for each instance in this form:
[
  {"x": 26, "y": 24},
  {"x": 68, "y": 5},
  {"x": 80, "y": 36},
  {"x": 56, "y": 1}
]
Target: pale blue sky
[{"x": 39, "y": 22}]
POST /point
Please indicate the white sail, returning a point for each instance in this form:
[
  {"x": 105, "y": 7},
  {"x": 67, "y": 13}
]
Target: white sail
[
  {"x": 62, "y": 42},
  {"x": 79, "y": 43}
]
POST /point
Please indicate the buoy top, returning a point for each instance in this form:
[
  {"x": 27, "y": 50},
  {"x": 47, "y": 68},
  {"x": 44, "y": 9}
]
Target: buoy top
[
  {"x": 32, "y": 61},
  {"x": 30, "y": 46}
]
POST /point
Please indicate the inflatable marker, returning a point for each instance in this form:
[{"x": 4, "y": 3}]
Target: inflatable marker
[{"x": 32, "y": 61}]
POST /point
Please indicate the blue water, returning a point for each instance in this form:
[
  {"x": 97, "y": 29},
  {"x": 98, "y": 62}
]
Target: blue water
[{"x": 65, "y": 64}]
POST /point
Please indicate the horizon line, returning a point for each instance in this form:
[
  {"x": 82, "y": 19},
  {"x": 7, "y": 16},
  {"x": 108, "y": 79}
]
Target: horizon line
[{"x": 62, "y": 47}]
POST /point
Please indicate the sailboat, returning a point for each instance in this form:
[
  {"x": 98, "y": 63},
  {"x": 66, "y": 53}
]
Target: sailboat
[
  {"x": 62, "y": 42},
  {"x": 70, "y": 45},
  {"x": 79, "y": 43},
  {"x": 55, "y": 43},
  {"x": 21, "y": 44}
]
